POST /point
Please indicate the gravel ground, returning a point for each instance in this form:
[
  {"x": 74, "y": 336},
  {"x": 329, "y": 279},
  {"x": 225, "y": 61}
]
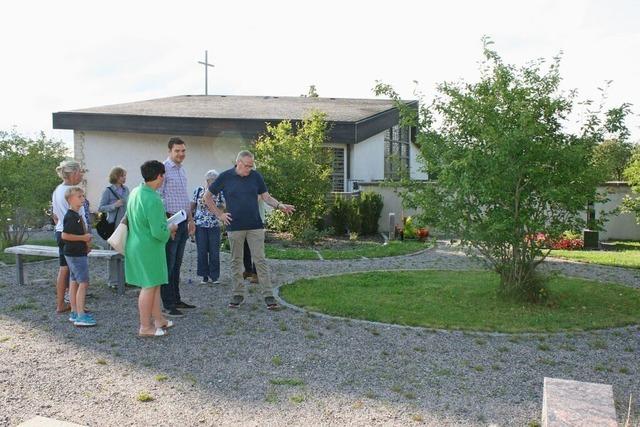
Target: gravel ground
[{"x": 255, "y": 367}]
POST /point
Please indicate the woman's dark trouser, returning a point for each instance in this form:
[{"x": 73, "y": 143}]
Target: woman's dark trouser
[{"x": 208, "y": 243}]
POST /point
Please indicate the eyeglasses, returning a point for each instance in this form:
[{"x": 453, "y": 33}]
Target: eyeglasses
[{"x": 246, "y": 165}]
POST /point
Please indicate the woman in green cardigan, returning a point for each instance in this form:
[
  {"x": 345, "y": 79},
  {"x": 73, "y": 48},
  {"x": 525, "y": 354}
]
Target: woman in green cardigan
[{"x": 145, "y": 263}]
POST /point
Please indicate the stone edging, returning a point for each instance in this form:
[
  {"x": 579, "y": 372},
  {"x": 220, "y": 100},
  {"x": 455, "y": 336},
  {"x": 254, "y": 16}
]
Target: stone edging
[{"x": 284, "y": 303}]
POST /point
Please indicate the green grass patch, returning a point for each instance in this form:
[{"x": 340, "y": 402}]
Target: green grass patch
[
  {"x": 23, "y": 306},
  {"x": 144, "y": 396},
  {"x": 374, "y": 250},
  {"x": 289, "y": 253},
  {"x": 357, "y": 251},
  {"x": 627, "y": 254},
  {"x": 160, "y": 377},
  {"x": 465, "y": 301}
]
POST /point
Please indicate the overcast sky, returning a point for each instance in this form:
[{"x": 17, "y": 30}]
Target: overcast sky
[{"x": 63, "y": 55}]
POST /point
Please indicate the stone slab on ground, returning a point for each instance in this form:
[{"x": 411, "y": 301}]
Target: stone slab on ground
[
  {"x": 47, "y": 422},
  {"x": 575, "y": 403}
]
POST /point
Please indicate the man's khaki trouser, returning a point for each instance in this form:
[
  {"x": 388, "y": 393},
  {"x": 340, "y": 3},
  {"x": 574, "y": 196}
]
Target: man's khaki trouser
[{"x": 255, "y": 240}]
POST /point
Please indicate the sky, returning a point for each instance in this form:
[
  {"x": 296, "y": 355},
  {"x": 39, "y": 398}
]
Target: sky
[{"x": 65, "y": 55}]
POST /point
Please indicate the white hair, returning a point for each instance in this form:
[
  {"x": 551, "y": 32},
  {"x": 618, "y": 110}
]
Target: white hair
[
  {"x": 67, "y": 168},
  {"x": 211, "y": 174},
  {"x": 244, "y": 153}
]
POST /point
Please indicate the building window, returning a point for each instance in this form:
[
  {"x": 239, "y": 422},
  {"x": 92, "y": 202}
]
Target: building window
[
  {"x": 337, "y": 176},
  {"x": 396, "y": 152}
]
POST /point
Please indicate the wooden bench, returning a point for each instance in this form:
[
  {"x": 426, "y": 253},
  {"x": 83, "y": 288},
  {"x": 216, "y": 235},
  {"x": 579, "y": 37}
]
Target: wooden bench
[{"x": 116, "y": 266}]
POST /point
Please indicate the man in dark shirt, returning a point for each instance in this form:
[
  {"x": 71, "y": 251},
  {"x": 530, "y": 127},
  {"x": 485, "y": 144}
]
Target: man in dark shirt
[{"x": 242, "y": 186}]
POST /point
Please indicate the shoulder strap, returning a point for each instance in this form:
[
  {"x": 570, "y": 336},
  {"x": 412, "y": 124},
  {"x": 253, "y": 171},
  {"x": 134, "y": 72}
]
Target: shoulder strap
[{"x": 114, "y": 193}]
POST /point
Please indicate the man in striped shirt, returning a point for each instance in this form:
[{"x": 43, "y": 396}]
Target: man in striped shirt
[{"x": 176, "y": 197}]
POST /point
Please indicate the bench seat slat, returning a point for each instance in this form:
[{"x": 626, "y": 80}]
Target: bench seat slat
[
  {"x": 116, "y": 267},
  {"x": 53, "y": 251}
]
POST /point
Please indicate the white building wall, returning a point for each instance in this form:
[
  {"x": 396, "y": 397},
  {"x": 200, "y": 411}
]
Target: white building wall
[
  {"x": 367, "y": 159},
  {"x": 622, "y": 226},
  {"x": 100, "y": 151},
  {"x": 416, "y": 164}
]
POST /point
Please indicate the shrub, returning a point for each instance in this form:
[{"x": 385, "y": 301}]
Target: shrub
[
  {"x": 370, "y": 209},
  {"x": 344, "y": 215},
  {"x": 311, "y": 235},
  {"x": 297, "y": 170},
  {"x": 569, "y": 240}
]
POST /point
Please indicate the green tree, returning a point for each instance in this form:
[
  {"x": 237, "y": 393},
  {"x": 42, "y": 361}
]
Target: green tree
[
  {"x": 27, "y": 179},
  {"x": 297, "y": 169},
  {"x": 611, "y": 158},
  {"x": 631, "y": 204},
  {"x": 312, "y": 93},
  {"x": 507, "y": 170}
]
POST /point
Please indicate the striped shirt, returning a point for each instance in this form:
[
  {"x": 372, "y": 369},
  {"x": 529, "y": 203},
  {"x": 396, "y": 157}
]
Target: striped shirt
[{"x": 174, "y": 188}]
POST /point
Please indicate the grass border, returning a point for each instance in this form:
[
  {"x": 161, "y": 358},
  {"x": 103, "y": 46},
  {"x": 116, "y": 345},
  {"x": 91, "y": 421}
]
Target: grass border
[{"x": 460, "y": 332}]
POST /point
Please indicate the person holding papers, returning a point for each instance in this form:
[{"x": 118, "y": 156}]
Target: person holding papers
[{"x": 175, "y": 198}]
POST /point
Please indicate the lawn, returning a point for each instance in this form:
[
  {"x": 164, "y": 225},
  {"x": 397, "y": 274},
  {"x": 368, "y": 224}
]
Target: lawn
[
  {"x": 355, "y": 251},
  {"x": 627, "y": 254},
  {"x": 465, "y": 301}
]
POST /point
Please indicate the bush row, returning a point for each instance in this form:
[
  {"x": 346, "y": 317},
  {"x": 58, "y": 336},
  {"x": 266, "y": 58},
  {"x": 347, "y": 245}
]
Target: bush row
[{"x": 356, "y": 214}]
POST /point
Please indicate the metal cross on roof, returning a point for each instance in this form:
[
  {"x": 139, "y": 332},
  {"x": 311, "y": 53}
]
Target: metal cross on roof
[{"x": 206, "y": 73}]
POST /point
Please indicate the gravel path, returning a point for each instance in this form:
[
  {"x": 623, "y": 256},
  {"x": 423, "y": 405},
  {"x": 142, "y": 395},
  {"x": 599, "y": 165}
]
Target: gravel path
[{"x": 255, "y": 367}]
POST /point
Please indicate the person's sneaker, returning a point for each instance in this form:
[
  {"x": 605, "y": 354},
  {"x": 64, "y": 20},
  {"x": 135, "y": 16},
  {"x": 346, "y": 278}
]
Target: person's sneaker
[
  {"x": 216, "y": 282},
  {"x": 85, "y": 320},
  {"x": 272, "y": 304},
  {"x": 236, "y": 300},
  {"x": 73, "y": 317},
  {"x": 174, "y": 312},
  {"x": 204, "y": 281},
  {"x": 183, "y": 304},
  {"x": 246, "y": 274},
  {"x": 253, "y": 278}
]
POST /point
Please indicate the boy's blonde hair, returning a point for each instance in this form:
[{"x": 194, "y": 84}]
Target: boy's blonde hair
[{"x": 71, "y": 191}]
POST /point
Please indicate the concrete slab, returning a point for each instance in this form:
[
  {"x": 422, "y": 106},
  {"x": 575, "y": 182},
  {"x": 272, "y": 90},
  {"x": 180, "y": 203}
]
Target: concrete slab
[{"x": 574, "y": 403}]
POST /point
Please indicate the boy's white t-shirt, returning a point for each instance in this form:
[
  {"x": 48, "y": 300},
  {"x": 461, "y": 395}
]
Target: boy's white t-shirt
[{"x": 60, "y": 205}]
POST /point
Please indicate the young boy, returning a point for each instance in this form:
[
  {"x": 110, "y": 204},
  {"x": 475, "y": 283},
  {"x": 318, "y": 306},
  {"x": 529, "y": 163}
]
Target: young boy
[{"x": 76, "y": 247}]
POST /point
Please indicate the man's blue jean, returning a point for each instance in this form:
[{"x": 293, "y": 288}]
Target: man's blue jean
[
  {"x": 208, "y": 242},
  {"x": 170, "y": 292}
]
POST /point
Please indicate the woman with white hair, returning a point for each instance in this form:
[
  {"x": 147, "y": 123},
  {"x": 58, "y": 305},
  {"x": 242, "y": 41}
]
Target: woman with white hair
[
  {"x": 71, "y": 174},
  {"x": 207, "y": 233}
]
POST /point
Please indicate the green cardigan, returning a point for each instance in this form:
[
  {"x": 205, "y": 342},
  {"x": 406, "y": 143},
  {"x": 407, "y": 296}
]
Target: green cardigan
[{"x": 145, "y": 262}]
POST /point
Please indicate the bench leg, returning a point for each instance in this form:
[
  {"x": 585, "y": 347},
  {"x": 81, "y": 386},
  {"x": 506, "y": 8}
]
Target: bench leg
[
  {"x": 116, "y": 272},
  {"x": 19, "y": 270}
]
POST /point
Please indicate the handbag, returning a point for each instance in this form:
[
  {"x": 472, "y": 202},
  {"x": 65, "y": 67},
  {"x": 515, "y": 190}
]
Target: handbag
[
  {"x": 118, "y": 239},
  {"x": 105, "y": 228}
]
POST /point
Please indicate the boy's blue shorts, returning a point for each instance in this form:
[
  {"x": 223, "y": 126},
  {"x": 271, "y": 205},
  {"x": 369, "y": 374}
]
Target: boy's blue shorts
[{"x": 78, "y": 268}]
